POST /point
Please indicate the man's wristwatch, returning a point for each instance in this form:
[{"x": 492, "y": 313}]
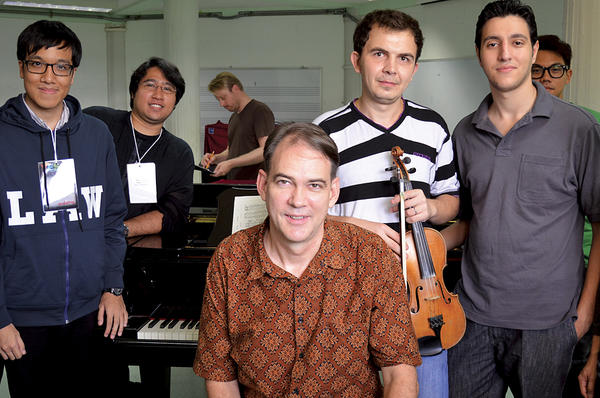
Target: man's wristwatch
[
  {"x": 117, "y": 291},
  {"x": 125, "y": 230}
]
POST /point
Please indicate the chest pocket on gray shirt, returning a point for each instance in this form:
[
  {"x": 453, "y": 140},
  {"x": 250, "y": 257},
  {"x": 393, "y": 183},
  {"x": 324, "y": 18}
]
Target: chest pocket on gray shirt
[{"x": 541, "y": 179}]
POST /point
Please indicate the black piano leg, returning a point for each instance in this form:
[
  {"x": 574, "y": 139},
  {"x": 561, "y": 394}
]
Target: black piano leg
[{"x": 156, "y": 380}]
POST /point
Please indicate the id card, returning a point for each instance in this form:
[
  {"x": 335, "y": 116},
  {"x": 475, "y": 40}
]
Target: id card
[
  {"x": 58, "y": 184},
  {"x": 141, "y": 179}
]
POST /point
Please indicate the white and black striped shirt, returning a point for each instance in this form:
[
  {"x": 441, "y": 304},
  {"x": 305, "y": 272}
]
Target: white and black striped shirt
[{"x": 365, "y": 153}]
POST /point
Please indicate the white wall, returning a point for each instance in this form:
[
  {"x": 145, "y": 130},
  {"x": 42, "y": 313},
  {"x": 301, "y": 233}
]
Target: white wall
[
  {"x": 449, "y": 27},
  {"x": 257, "y": 42},
  {"x": 278, "y": 41},
  {"x": 286, "y": 41}
]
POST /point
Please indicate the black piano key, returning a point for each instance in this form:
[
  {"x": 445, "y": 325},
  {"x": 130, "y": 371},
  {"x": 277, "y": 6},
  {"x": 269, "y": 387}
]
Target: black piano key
[
  {"x": 191, "y": 325},
  {"x": 184, "y": 323},
  {"x": 153, "y": 323},
  {"x": 173, "y": 323},
  {"x": 164, "y": 323}
]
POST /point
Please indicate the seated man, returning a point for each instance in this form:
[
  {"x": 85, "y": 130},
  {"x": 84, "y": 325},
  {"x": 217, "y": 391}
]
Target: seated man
[
  {"x": 302, "y": 303},
  {"x": 159, "y": 159}
]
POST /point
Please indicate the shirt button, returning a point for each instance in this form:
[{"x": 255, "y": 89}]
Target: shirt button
[
  {"x": 295, "y": 391},
  {"x": 301, "y": 355},
  {"x": 300, "y": 320}
]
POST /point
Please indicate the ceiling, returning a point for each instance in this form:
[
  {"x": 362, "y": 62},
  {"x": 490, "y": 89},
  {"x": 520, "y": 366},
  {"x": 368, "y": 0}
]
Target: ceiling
[{"x": 136, "y": 9}]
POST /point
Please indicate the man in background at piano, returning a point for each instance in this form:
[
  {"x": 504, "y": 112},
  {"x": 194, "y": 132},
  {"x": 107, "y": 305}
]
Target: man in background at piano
[
  {"x": 62, "y": 210},
  {"x": 302, "y": 304},
  {"x": 156, "y": 166},
  {"x": 249, "y": 125},
  {"x": 552, "y": 68}
]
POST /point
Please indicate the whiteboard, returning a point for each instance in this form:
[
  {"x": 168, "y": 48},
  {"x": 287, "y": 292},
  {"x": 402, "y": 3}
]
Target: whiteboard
[
  {"x": 293, "y": 94},
  {"x": 454, "y": 88}
]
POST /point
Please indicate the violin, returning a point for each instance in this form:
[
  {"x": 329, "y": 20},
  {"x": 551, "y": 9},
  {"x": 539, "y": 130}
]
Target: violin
[{"x": 437, "y": 316}]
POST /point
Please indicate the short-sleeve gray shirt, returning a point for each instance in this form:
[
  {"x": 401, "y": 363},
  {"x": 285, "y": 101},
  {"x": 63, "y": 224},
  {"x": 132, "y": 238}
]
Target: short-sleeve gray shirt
[{"x": 526, "y": 194}]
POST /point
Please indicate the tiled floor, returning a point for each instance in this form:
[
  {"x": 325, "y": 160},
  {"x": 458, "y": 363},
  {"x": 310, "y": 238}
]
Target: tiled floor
[{"x": 184, "y": 383}]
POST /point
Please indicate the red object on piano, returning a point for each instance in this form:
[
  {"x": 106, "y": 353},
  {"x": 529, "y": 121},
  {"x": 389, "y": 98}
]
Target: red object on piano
[{"x": 215, "y": 137}]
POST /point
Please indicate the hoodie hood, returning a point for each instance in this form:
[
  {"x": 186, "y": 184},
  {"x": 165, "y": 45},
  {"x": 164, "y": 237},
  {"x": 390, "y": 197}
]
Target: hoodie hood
[{"x": 14, "y": 112}]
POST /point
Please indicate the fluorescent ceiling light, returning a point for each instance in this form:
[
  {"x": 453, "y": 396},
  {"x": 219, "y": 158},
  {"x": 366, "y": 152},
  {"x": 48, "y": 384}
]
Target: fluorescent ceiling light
[{"x": 55, "y": 6}]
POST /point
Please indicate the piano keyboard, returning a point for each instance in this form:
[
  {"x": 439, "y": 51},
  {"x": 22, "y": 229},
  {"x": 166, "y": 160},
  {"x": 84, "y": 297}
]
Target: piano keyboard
[{"x": 169, "y": 329}]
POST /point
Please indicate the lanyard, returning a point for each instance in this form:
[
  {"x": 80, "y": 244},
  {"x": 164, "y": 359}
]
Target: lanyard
[
  {"x": 53, "y": 135},
  {"x": 137, "y": 152}
]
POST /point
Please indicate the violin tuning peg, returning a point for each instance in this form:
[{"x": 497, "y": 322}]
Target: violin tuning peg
[
  {"x": 412, "y": 170},
  {"x": 391, "y": 168},
  {"x": 406, "y": 160}
]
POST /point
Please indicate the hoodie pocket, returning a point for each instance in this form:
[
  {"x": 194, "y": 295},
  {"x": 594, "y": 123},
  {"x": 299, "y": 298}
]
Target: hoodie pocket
[
  {"x": 35, "y": 276},
  {"x": 87, "y": 264}
]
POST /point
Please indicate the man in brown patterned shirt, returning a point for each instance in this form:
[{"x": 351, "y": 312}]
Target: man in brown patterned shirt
[{"x": 300, "y": 305}]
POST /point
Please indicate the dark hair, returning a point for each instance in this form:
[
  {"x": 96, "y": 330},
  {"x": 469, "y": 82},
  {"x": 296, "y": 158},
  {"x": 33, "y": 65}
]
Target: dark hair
[
  {"x": 504, "y": 8},
  {"x": 555, "y": 44},
  {"x": 170, "y": 71},
  {"x": 308, "y": 133},
  {"x": 46, "y": 34},
  {"x": 387, "y": 19}
]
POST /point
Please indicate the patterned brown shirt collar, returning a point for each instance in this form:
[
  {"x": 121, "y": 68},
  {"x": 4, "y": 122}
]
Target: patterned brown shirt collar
[{"x": 316, "y": 266}]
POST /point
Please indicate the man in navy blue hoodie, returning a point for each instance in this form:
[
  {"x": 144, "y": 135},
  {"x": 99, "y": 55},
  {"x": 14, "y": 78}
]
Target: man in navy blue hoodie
[{"x": 61, "y": 231}]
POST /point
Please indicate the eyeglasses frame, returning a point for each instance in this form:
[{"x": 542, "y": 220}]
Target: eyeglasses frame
[
  {"x": 152, "y": 85},
  {"x": 29, "y": 61},
  {"x": 564, "y": 68}
]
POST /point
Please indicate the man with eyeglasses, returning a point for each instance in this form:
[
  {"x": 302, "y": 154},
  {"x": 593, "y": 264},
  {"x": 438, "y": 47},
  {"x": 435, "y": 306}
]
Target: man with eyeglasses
[
  {"x": 156, "y": 166},
  {"x": 61, "y": 217},
  {"x": 249, "y": 125},
  {"x": 552, "y": 68}
]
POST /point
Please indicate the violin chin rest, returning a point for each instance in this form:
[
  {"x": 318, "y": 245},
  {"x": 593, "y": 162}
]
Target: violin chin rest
[{"x": 429, "y": 345}]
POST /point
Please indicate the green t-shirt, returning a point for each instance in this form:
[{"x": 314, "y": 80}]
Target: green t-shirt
[
  {"x": 594, "y": 113},
  {"x": 587, "y": 229}
]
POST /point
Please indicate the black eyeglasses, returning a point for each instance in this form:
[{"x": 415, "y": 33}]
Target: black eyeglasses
[
  {"x": 555, "y": 71},
  {"x": 38, "y": 67}
]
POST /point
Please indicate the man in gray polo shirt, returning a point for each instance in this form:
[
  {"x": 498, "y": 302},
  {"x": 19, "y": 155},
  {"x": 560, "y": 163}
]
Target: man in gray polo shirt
[{"x": 528, "y": 174}]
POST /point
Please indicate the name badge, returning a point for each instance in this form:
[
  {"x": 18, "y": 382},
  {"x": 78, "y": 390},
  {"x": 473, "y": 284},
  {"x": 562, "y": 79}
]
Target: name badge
[
  {"x": 58, "y": 184},
  {"x": 141, "y": 179}
]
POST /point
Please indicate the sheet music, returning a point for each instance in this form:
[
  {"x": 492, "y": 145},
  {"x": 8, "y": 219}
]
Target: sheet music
[{"x": 248, "y": 211}]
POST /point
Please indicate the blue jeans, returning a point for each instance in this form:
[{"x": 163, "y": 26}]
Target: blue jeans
[
  {"x": 533, "y": 363},
  {"x": 433, "y": 376}
]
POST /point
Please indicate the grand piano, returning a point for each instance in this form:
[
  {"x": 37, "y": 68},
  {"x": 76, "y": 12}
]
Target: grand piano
[{"x": 164, "y": 284}]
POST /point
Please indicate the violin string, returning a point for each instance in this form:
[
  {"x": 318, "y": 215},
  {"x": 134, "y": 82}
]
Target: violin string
[{"x": 426, "y": 262}]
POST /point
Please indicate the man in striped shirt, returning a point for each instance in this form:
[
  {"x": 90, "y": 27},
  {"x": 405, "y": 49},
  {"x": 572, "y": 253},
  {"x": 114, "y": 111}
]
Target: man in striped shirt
[{"x": 387, "y": 46}]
